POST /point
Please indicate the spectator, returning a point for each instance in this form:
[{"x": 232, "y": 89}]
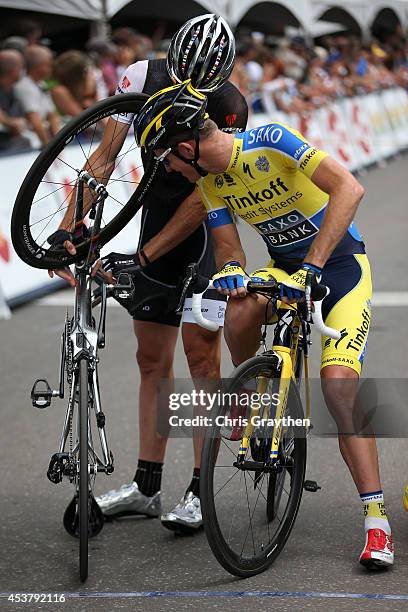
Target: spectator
[
  {"x": 18, "y": 43},
  {"x": 102, "y": 52},
  {"x": 140, "y": 45},
  {"x": 29, "y": 29},
  {"x": 124, "y": 56},
  {"x": 400, "y": 65},
  {"x": 36, "y": 102},
  {"x": 239, "y": 77},
  {"x": 293, "y": 62},
  {"x": 12, "y": 122},
  {"x": 74, "y": 83},
  {"x": 322, "y": 85}
]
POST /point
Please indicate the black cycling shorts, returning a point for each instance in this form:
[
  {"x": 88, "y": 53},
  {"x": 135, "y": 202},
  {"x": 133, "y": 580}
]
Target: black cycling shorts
[{"x": 157, "y": 287}]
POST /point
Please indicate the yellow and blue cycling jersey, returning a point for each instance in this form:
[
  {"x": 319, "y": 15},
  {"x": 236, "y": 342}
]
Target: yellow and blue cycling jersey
[{"x": 268, "y": 185}]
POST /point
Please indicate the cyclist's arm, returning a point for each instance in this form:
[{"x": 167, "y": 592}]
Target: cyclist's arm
[
  {"x": 187, "y": 218},
  {"x": 345, "y": 194},
  {"x": 103, "y": 158},
  {"x": 101, "y": 165},
  {"x": 227, "y": 245}
]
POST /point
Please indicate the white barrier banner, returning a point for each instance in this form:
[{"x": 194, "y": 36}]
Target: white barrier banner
[
  {"x": 309, "y": 127},
  {"x": 337, "y": 135},
  {"x": 395, "y": 102},
  {"x": 361, "y": 132},
  {"x": 16, "y": 277},
  {"x": 384, "y": 139}
]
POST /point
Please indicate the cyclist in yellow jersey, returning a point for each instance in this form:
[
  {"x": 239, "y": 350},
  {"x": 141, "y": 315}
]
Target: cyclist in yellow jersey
[{"x": 302, "y": 203}]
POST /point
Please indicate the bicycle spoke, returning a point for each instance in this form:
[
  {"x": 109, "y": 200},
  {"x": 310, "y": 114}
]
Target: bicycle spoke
[
  {"x": 256, "y": 502},
  {"x": 47, "y": 217},
  {"x": 250, "y": 518},
  {"x": 49, "y": 194},
  {"x": 229, "y": 480},
  {"x": 47, "y": 224}
]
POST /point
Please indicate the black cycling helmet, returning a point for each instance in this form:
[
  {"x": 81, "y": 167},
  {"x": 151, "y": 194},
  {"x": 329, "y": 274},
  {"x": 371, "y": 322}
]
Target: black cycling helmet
[
  {"x": 178, "y": 110},
  {"x": 202, "y": 50}
]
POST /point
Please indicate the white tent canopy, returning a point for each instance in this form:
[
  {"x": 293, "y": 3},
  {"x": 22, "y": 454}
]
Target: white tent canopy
[
  {"x": 84, "y": 9},
  {"x": 306, "y": 12}
]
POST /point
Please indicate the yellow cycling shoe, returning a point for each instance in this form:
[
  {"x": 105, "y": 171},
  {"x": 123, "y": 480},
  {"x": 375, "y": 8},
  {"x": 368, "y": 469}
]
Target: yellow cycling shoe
[{"x": 405, "y": 499}]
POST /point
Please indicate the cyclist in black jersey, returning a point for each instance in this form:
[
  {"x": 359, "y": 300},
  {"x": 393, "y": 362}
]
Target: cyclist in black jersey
[{"x": 173, "y": 234}]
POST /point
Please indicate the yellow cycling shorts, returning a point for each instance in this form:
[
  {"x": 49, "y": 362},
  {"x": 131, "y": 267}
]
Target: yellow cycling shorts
[{"x": 347, "y": 307}]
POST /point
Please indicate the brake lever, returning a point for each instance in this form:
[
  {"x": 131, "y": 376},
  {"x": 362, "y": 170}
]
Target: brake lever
[
  {"x": 191, "y": 277},
  {"x": 102, "y": 316}
]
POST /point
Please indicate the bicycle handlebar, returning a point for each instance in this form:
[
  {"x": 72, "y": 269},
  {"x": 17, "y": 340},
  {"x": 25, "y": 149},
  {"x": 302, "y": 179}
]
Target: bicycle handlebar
[{"x": 253, "y": 287}]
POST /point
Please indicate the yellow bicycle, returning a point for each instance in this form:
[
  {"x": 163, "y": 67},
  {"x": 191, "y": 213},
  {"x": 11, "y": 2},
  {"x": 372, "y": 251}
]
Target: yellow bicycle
[{"x": 254, "y": 456}]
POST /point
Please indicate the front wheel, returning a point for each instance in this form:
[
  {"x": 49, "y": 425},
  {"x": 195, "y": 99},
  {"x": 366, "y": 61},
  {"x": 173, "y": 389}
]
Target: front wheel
[
  {"x": 52, "y": 183},
  {"x": 248, "y": 514}
]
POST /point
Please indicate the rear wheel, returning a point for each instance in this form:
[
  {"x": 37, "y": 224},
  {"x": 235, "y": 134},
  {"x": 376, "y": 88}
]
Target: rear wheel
[
  {"x": 248, "y": 515},
  {"x": 53, "y": 178},
  {"x": 84, "y": 497}
]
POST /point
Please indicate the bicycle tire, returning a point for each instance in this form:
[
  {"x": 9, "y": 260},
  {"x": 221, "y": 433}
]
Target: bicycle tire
[
  {"x": 24, "y": 243},
  {"x": 246, "y": 567},
  {"x": 83, "y": 494}
]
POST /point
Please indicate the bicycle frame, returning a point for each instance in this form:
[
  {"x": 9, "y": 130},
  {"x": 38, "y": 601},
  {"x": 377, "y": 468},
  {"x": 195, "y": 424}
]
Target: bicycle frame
[
  {"x": 81, "y": 339},
  {"x": 290, "y": 348}
]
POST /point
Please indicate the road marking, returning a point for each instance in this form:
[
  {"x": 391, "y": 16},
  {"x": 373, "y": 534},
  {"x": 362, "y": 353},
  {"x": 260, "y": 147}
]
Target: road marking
[
  {"x": 305, "y": 594},
  {"x": 380, "y": 299},
  {"x": 390, "y": 298}
]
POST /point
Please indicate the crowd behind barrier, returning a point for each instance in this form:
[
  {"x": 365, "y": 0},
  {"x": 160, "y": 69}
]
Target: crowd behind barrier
[
  {"x": 348, "y": 99},
  {"x": 40, "y": 91}
]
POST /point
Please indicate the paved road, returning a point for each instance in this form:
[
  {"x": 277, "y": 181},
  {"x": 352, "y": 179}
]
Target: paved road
[{"x": 134, "y": 556}]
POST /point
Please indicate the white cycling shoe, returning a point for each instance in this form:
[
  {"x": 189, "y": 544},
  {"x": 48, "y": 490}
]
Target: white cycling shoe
[
  {"x": 129, "y": 501},
  {"x": 186, "y": 517}
]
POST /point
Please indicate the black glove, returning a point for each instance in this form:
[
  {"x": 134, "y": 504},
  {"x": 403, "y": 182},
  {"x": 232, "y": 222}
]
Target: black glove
[
  {"x": 121, "y": 262},
  {"x": 58, "y": 238}
]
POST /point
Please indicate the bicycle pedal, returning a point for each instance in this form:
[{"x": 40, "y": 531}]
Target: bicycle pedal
[
  {"x": 311, "y": 486},
  {"x": 41, "y": 398}
]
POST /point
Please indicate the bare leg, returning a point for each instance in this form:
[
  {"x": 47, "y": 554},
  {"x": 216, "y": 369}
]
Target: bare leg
[
  {"x": 340, "y": 385},
  {"x": 155, "y": 354},
  {"x": 243, "y": 322},
  {"x": 203, "y": 352}
]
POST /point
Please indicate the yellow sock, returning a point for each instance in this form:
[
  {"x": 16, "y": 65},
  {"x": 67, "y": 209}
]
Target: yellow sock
[
  {"x": 405, "y": 499},
  {"x": 375, "y": 516}
]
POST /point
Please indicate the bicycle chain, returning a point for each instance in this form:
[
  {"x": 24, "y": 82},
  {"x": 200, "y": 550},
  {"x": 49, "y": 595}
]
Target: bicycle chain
[
  {"x": 68, "y": 349},
  {"x": 69, "y": 371}
]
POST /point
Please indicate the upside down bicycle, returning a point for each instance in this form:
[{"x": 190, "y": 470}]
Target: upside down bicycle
[{"x": 105, "y": 195}]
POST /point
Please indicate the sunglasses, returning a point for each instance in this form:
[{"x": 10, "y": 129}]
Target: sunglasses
[{"x": 162, "y": 158}]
